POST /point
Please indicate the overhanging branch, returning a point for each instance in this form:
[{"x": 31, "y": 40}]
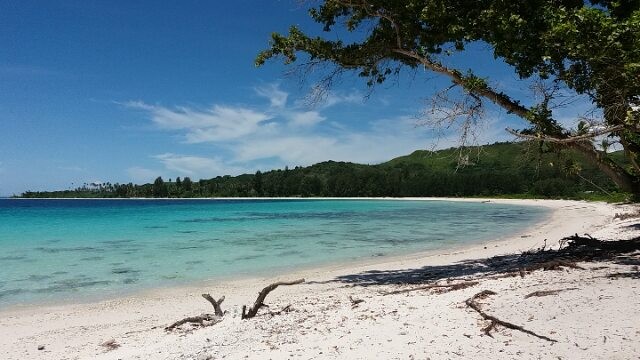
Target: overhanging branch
[{"x": 570, "y": 139}]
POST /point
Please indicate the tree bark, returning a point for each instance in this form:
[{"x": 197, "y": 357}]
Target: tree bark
[{"x": 625, "y": 181}]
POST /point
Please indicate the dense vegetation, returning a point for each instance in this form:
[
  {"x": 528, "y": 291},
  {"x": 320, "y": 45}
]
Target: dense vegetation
[
  {"x": 588, "y": 50},
  {"x": 501, "y": 169}
]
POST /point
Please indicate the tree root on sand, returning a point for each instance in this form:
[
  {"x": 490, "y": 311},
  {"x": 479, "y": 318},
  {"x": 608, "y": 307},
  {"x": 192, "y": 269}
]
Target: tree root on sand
[
  {"x": 253, "y": 311},
  {"x": 547, "y": 292},
  {"x": 204, "y": 319},
  {"x": 441, "y": 288},
  {"x": 494, "y": 321}
]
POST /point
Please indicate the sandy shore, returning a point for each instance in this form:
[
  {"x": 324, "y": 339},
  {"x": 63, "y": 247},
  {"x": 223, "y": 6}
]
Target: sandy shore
[{"x": 598, "y": 318}]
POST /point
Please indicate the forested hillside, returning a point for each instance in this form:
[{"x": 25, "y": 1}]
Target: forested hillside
[{"x": 501, "y": 169}]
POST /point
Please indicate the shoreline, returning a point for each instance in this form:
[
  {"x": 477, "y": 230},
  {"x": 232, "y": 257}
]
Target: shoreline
[
  {"x": 343, "y": 264},
  {"x": 76, "y": 330}
]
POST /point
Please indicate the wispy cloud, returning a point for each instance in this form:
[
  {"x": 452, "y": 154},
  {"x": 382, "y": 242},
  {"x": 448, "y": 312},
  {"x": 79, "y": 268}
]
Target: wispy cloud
[
  {"x": 278, "y": 133},
  {"x": 277, "y": 98},
  {"x": 321, "y": 100},
  {"x": 218, "y": 123},
  {"x": 196, "y": 165},
  {"x": 142, "y": 175},
  {"x": 306, "y": 118}
]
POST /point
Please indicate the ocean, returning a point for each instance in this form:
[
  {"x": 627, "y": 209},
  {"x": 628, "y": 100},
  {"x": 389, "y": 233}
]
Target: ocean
[{"x": 73, "y": 250}]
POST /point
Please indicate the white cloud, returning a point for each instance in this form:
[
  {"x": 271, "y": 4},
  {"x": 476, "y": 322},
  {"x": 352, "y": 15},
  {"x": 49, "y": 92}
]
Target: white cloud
[
  {"x": 318, "y": 98},
  {"x": 195, "y": 165},
  {"x": 277, "y": 98},
  {"x": 219, "y": 123},
  {"x": 294, "y": 150},
  {"x": 279, "y": 134},
  {"x": 335, "y": 98},
  {"x": 306, "y": 118},
  {"x": 142, "y": 175}
]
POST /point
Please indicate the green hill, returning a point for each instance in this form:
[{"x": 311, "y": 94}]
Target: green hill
[{"x": 501, "y": 169}]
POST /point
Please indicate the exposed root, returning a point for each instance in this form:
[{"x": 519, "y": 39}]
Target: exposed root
[
  {"x": 201, "y": 320},
  {"x": 441, "y": 288},
  {"x": 547, "y": 292},
  {"x": 110, "y": 344},
  {"x": 355, "y": 302},
  {"x": 625, "y": 216},
  {"x": 285, "y": 309},
  {"x": 471, "y": 302},
  {"x": 554, "y": 265},
  {"x": 204, "y": 319},
  {"x": 619, "y": 275},
  {"x": 253, "y": 311},
  {"x": 216, "y": 304}
]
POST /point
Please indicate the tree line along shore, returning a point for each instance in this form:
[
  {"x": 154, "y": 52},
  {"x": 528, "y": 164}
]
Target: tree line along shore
[{"x": 520, "y": 169}]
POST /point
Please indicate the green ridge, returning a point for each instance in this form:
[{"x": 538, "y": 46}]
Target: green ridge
[{"x": 497, "y": 170}]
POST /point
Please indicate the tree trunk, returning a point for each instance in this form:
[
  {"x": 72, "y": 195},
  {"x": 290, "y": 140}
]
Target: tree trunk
[{"x": 625, "y": 181}]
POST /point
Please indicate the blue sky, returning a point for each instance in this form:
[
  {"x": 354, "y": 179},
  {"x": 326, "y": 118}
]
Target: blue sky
[{"x": 124, "y": 91}]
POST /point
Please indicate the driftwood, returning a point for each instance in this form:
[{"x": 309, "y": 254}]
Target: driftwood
[
  {"x": 620, "y": 275},
  {"x": 494, "y": 321},
  {"x": 547, "y": 292},
  {"x": 110, "y": 344},
  {"x": 285, "y": 309},
  {"x": 253, "y": 311},
  {"x": 445, "y": 288},
  {"x": 204, "y": 319},
  {"x": 216, "y": 304},
  {"x": 588, "y": 247},
  {"x": 355, "y": 302}
]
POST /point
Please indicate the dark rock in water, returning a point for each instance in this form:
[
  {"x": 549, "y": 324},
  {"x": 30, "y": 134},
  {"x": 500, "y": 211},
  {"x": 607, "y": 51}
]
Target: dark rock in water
[
  {"x": 248, "y": 257},
  {"x": 124, "y": 271},
  {"x": 34, "y": 277},
  {"x": 194, "y": 262},
  {"x": 9, "y": 292},
  {"x": 91, "y": 258},
  {"x": 117, "y": 242},
  {"x": 71, "y": 284},
  {"x": 19, "y": 257},
  {"x": 290, "y": 253},
  {"x": 53, "y": 250}
]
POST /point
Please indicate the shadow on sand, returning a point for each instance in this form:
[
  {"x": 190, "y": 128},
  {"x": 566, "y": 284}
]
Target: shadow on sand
[{"x": 573, "y": 249}]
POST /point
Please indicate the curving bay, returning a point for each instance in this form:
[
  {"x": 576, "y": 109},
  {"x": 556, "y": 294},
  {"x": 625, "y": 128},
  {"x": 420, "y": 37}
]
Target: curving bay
[{"x": 64, "y": 250}]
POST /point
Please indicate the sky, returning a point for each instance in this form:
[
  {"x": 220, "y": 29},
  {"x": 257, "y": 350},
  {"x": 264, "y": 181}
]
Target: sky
[{"x": 121, "y": 91}]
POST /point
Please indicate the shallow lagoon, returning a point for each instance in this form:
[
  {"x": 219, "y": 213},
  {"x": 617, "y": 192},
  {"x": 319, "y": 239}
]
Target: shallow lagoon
[{"x": 58, "y": 250}]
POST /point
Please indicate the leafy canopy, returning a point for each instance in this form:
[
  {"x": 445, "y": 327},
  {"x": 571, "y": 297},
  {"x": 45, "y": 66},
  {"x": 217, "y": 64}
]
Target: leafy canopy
[
  {"x": 593, "y": 47},
  {"x": 590, "y": 47}
]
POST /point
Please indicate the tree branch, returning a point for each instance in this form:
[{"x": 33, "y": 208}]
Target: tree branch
[
  {"x": 253, "y": 311},
  {"x": 497, "y": 98},
  {"x": 569, "y": 139},
  {"x": 216, "y": 304}
]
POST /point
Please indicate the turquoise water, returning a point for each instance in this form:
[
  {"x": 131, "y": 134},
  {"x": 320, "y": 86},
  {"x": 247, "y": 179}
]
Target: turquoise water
[{"x": 60, "y": 250}]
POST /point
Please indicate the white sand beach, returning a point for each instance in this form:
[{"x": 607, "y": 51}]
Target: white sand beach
[{"x": 595, "y": 316}]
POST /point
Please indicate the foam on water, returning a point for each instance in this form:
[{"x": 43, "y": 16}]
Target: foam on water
[{"x": 53, "y": 250}]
